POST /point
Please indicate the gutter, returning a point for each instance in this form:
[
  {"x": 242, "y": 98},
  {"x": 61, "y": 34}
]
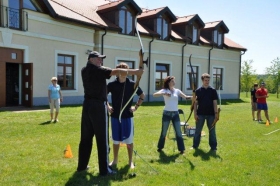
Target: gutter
[
  {"x": 239, "y": 87},
  {"x": 182, "y": 69},
  {"x": 102, "y": 41},
  {"x": 149, "y": 64},
  {"x": 209, "y": 58}
]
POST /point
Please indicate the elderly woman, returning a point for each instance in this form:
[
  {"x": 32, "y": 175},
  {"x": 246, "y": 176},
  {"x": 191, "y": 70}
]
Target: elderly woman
[
  {"x": 170, "y": 112},
  {"x": 55, "y": 97}
]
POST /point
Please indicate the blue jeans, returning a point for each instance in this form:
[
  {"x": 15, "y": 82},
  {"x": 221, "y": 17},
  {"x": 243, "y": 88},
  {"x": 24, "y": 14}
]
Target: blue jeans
[
  {"x": 173, "y": 116},
  {"x": 212, "y": 134}
]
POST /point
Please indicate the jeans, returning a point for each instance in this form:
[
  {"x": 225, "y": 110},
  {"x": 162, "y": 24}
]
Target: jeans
[
  {"x": 212, "y": 134},
  {"x": 173, "y": 116}
]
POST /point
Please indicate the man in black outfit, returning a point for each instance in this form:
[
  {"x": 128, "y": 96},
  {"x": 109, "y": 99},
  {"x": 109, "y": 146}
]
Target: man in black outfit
[{"x": 94, "y": 114}]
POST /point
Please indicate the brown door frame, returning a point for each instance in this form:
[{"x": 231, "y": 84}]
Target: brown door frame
[{"x": 27, "y": 84}]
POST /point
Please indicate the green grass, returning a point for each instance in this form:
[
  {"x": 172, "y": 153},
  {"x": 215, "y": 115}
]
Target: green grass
[{"x": 32, "y": 150}]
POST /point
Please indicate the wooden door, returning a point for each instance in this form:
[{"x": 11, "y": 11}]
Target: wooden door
[{"x": 27, "y": 84}]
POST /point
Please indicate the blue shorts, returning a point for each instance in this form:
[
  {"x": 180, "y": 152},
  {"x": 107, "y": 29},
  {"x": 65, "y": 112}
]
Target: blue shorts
[
  {"x": 122, "y": 132},
  {"x": 262, "y": 106}
]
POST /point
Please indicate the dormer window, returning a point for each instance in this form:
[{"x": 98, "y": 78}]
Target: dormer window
[
  {"x": 125, "y": 21},
  {"x": 192, "y": 32},
  {"x": 218, "y": 37},
  {"x": 162, "y": 28}
]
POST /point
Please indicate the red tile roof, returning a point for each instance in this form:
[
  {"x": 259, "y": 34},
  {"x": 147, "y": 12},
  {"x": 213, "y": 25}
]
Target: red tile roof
[
  {"x": 85, "y": 12},
  {"x": 212, "y": 24},
  {"x": 232, "y": 44},
  {"x": 147, "y": 13},
  {"x": 184, "y": 19}
]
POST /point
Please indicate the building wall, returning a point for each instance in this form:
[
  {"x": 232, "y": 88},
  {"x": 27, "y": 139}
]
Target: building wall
[{"x": 47, "y": 37}]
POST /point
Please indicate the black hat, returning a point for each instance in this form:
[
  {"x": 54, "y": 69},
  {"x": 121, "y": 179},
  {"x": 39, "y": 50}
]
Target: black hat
[
  {"x": 96, "y": 54},
  {"x": 262, "y": 83}
]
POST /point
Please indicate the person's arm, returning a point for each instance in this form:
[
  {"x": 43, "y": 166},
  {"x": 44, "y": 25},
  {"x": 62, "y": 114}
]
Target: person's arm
[
  {"x": 60, "y": 94},
  {"x": 161, "y": 92},
  {"x": 140, "y": 101},
  {"x": 126, "y": 72},
  {"x": 195, "y": 110},
  {"x": 182, "y": 95},
  {"x": 49, "y": 95}
]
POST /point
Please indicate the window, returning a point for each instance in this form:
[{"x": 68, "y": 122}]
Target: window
[
  {"x": 162, "y": 28},
  {"x": 192, "y": 32},
  {"x": 217, "y": 77},
  {"x": 65, "y": 71},
  {"x": 194, "y": 38},
  {"x": 15, "y": 12},
  {"x": 218, "y": 37},
  {"x": 131, "y": 66},
  {"x": 125, "y": 21},
  {"x": 192, "y": 77},
  {"x": 162, "y": 71}
]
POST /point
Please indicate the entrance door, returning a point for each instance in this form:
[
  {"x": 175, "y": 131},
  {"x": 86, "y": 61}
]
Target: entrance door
[
  {"x": 27, "y": 84},
  {"x": 12, "y": 84}
]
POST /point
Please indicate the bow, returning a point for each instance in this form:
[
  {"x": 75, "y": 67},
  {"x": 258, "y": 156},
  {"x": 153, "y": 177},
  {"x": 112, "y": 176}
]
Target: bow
[
  {"x": 141, "y": 66},
  {"x": 219, "y": 110},
  {"x": 193, "y": 89}
]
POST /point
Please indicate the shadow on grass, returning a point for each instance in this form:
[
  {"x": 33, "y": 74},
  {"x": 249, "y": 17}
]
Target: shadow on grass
[
  {"x": 46, "y": 123},
  {"x": 205, "y": 156},
  {"x": 165, "y": 159},
  {"x": 86, "y": 178}
]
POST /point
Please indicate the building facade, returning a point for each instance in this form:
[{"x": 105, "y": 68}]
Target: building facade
[{"x": 46, "y": 38}]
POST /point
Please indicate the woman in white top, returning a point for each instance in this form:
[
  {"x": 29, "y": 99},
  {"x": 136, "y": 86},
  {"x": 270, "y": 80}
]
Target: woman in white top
[
  {"x": 170, "y": 112},
  {"x": 55, "y": 97}
]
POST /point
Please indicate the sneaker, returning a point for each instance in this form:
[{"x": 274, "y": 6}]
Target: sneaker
[
  {"x": 182, "y": 152},
  {"x": 255, "y": 120},
  {"x": 260, "y": 121},
  {"x": 55, "y": 121},
  {"x": 159, "y": 150}
]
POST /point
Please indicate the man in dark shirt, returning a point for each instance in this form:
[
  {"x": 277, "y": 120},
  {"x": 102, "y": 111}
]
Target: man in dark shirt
[
  {"x": 94, "y": 115},
  {"x": 205, "y": 108},
  {"x": 254, "y": 101}
]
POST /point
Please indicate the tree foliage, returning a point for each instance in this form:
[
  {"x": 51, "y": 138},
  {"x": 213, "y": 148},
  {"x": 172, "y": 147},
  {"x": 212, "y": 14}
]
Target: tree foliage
[
  {"x": 273, "y": 73},
  {"x": 248, "y": 76}
]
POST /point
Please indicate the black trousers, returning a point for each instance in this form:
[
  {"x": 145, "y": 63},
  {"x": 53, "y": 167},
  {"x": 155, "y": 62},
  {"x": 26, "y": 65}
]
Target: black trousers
[{"x": 94, "y": 123}]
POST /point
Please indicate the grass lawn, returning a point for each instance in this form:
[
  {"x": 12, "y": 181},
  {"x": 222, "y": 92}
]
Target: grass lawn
[{"x": 32, "y": 151}]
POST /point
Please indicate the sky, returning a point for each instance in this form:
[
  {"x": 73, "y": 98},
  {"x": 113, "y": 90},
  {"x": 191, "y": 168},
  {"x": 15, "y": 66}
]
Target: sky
[{"x": 254, "y": 24}]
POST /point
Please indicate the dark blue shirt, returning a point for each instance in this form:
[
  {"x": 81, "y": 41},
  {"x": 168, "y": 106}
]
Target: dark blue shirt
[
  {"x": 94, "y": 81},
  {"x": 205, "y": 98},
  {"x": 121, "y": 96}
]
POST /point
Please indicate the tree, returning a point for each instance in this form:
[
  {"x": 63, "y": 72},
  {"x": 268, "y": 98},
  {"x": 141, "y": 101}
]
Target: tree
[
  {"x": 274, "y": 73},
  {"x": 248, "y": 76}
]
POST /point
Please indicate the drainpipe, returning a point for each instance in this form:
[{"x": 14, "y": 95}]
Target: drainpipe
[
  {"x": 149, "y": 65},
  {"x": 209, "y": 58},
  {"x": 182, "y": 69},
  {"x": 102, "y": 41},
  {"x": 240, "y": 74}
]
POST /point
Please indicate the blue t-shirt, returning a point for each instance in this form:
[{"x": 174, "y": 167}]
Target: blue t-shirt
[{"x": 54, "y": 90}]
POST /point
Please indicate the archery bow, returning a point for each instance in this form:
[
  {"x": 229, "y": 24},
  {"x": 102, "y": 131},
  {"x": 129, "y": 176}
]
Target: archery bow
[
  {"x": 193, "y": 89},
  {"x": 218, "y": 112},
  {"x": 141, "y": 66}
]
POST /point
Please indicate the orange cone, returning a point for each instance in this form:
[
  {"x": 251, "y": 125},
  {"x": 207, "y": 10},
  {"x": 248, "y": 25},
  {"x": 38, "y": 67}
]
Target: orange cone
[
  {"x": 267, "y": 123},
  {"x": 68, "y": 152},
  {"x": 276, "y": 120}
]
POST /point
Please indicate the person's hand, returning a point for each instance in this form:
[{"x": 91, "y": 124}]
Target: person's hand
[
  {"x": 61, "y": 99},
  {"x": 196, "y": 118},
  {"x": 133, "y": 109},
  {"x": 110, "y": 109},
  {"x": 140, "y": 72}
]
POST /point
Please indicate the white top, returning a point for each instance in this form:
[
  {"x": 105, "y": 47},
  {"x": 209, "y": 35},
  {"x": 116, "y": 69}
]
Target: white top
[{"x": 171, "y": 103}]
